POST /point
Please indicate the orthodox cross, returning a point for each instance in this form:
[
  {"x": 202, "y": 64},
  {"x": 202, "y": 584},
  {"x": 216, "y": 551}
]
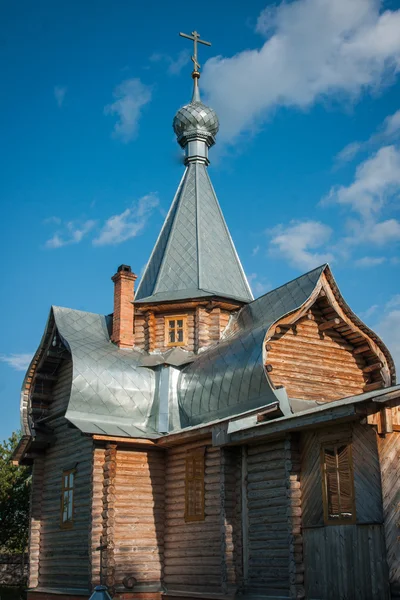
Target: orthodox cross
[{"x": 195, "y": 37}]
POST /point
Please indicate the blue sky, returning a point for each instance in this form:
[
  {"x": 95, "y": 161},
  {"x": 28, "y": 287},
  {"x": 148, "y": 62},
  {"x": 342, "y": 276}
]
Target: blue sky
[{"x": 306, "y": 166}]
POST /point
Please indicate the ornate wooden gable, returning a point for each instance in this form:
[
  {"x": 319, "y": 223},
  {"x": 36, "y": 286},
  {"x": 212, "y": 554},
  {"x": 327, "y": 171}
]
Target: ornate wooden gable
[{"x": 324, "y": 352}]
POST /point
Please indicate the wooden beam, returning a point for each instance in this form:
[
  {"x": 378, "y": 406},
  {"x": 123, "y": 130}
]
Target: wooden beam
[
  {"x": 329, "y": 324},
  {"x": 46, "y": 377},
  {"x": 371, "y": 368},
  {"x": 268, "y": 347},
  {"x": 386, "y": 416},
  {"x": 361, "y": 349},
  {"x": 268, "y": 368},
  {"x": 266, "y": 414},
  {"x": 396, "y": 427},
  {"x": 281, "y": 329},
  {"x": 375, "y": 385},
  {"x": 123, "y": 440},
  {"x": 43, "y": 397}
]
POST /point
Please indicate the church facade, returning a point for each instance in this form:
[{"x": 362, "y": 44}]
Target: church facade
[{"x": 199, "y": 443}]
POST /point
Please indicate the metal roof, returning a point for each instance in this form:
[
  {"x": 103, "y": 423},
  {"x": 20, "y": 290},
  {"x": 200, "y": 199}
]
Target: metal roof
[
  {"x": 111, "y": 393},
  {"x": 194, "y": 255},
  {"x": 230, "y": 378}
]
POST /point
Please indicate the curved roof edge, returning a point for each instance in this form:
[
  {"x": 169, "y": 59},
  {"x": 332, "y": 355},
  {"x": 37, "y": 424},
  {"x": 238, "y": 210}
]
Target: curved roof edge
[
  {"x": 111, "y": 393},
  {"x": 230, "y": 377}
]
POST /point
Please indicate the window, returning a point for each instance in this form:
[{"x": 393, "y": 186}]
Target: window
[
  {"x": 67, "y": 499},
  {"x": 194, "y": 488},
  {"x": 175, "y": 331},
  {"x": 338, "y": 484}
]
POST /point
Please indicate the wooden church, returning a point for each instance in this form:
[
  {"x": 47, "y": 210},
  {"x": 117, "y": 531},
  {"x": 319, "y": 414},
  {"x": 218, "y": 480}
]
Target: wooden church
[{"x": 201, "y": 444}]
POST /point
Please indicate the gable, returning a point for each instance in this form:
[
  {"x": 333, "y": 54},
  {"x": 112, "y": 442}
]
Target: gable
[{"x": 321, "y": 353}]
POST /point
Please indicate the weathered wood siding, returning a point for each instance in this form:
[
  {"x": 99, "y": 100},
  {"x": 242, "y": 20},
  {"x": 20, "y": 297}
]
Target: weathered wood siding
[
  {"x": 315, "y": 365},
  {"x": 367, "y": 485},
  {"x": 96, "y": 529},
  {"x": 64, "y": 553},
  {"x": 204, "y": 328},
  {"x": 231, "y": 519},
  {"x": 268, "y": 518},
  {"x": 138, "y": 516},
  {"x": 389, "y": 454},
  {"x": 35, "y": 525},
  {"x": 192, "y": 551},
  {"x": 344, "y": 561}
]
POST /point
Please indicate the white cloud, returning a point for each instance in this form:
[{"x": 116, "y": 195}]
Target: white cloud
[
  {"x": 300, "y": 243},
  {"x": 394, "y": 302},
  {"x": 388, "y": 132},
  {"x": 175, "y": 65},
  {"x": 388, "y": 328},
  {"x": 59, "y": 94},
  {"x": 370, "y": 261},
  {"x": 127, "y": 224},
  {"x": 376, "y": 180},
  {"x": 73, "y": 233},
  {"x": 314, "y": 49},
  {"x": 367, "y": 314},
  {"x": 258, "y": 284},
  {"x": 19, "y": 362},
  {"x": 130, "y": 98}
]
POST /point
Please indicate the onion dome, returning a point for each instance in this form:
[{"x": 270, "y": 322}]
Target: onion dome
[{"x": 195, "y": 122}]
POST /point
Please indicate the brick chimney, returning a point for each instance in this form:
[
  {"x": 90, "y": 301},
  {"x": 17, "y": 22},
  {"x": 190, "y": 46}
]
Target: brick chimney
[{"x": 124, "y": 282}]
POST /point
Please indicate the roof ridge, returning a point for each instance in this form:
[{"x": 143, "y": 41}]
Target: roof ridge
[{"x": 321, "y": 268}]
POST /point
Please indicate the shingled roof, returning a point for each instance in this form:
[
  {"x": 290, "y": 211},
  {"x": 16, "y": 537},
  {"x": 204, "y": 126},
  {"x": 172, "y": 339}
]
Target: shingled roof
[{"x": 194, "y": 255}]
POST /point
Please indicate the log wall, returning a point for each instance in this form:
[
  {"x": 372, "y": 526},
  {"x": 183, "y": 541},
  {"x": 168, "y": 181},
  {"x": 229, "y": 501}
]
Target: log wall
[
  {"x": 64, "y": 553},
  {"x": 192, "y": 551},
  {"x": 204, "y": 328},
  {"x": 137, "y": 517},
  {"x": 389, "y": 455},
  {"x": 315, "y": 365},
  {"x": 35, "y": 521},
  {"x": 269, "y": 556}
]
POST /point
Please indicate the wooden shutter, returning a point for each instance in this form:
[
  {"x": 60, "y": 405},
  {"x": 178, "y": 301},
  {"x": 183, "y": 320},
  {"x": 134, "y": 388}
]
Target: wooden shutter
[
  {"x": 194, "y": 486},
  {"x": 338, "y": 484}
]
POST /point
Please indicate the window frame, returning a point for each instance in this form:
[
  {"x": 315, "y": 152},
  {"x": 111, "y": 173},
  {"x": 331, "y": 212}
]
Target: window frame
[
  {"x": 335, "y": 444},
  {"x": 192, "y": 457},
  {"x": 69, "y": 523},
  {"x": 168, "y": 329}
]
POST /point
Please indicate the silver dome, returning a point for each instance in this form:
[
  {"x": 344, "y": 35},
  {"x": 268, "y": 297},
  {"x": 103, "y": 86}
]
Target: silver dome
[{"x": 195, "y": 117}]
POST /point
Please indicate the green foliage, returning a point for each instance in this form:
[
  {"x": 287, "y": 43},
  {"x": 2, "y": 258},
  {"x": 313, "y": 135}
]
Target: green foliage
[{"x": 15, "y": 483}]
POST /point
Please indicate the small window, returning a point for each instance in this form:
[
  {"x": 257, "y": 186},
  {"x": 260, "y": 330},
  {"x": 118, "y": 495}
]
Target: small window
[
  {"x": 194, "y": 491},
  {"x": 175, "y": 331},
  {"x": 67, "y": 499},
  {"x": 338, "y": 484}
]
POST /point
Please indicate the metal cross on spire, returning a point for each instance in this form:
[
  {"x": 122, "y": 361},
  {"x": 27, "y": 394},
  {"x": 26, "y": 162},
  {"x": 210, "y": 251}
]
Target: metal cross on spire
[{"x": 195, "y": 37}]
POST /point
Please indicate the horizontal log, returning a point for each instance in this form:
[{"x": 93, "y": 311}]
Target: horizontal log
[
  {"x": 373, "y": 367},
  {"x": 331, "y": 324},
  {"x": 361, "y": 349},
  {"x": 376, "y": 385}
]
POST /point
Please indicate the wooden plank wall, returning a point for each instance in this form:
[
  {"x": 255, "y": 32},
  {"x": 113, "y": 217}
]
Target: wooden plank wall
[
  {"x": 268, "y": 544},
  {"x": 192, "y": 551},
  {"x": 138, "y": 516},
  {"x": 389, "y": 454},
  {"x": 231, "y": 520},
  {"x": 345, "y": 562},
  {"x": 366, "y": 473},
  {"x": 64, "y": 553}
]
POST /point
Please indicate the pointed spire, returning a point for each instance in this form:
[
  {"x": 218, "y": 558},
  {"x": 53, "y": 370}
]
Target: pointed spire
[
  {"x": 196, "y": 90},
  {"x": 194, "y": 255}
]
